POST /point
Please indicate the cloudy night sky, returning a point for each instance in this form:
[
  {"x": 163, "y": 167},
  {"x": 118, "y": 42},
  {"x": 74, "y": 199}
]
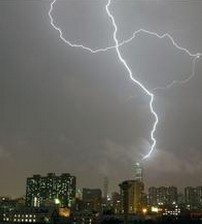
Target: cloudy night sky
[{"x": 64, "y": 109}]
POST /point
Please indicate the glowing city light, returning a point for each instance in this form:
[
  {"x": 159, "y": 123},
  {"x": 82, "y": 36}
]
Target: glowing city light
[{"x": 123, "y": 61}]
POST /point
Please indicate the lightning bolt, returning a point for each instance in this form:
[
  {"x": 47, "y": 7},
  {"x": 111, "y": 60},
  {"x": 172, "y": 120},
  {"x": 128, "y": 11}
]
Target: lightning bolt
[
  {"x": 68, "y": 42},
  {"x": 184, "y": 81},
  {"x": 151, "y": 95},
  {"x": 123, "y": 61},
  {"x": 181, "y": 81}
]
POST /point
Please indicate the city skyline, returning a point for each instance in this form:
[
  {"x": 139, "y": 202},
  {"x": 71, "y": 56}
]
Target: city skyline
[
  {"x": 41, "y": 180},
  {"x": 54, "y": 199},
  {"x": 64, "y": 110}
]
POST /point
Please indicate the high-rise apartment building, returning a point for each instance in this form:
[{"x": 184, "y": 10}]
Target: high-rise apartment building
[
  {"x": 92, "y": 199},
  {"x": 172, "y": 195},
  {"x": 199, "y": 196},
  {"x": 190, "y": 196},
  {"x": 116, "y": 202},
  {"x": 153, "y": 196},
  {"x": 132, "y": 196},
  {"x": 162, "y": 195},
  {"x": 193, "y": 197},
  {"x": 61, "y": 189}
]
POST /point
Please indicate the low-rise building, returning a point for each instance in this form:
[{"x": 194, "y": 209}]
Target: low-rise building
[{"x": 30, "y": 215}]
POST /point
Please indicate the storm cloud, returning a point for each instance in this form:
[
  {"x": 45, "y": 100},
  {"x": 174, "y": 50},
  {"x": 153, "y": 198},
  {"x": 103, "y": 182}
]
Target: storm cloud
[{"x": 66, "y": 110}]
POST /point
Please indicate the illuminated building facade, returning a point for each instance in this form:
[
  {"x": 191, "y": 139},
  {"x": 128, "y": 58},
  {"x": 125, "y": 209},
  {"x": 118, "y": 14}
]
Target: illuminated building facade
[
  {"x": 51, "y": 188},
  {"x": 163, "y": 195},
  {"x": 132, "y": 196},
  {"x": 29, "y": 215}
]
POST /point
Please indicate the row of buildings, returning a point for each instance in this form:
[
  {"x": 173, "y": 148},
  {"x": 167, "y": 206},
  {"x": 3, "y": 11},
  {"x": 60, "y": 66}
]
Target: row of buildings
[
  {"x": 61, "y": 190},
  {"x": 192, "y": 196},
  {"x": 44, "y": 190},
  {"x": 44, "y": 194}
]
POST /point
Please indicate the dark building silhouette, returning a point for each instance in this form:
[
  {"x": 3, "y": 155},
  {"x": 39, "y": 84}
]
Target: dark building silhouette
[
  {"x": 105, "y": 187},
  {"x": 92, "y": 199},
  {"x": 116, "y": 202},
  {"x": 153, "y": 196},
  {"x": 132, "y": 196},
  {"x": 193, "y": 197}
]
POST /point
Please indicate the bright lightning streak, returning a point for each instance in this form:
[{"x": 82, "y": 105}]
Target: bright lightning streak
[
  {"x": 134, "y": 80},
  {"x": 194, "y": 56},
  {"x": 161, "y": 37},
  {"x": 120, "y": 44},
  {"x": 68, "y": 42},
  {"x": 117, "y": 46},
  {"x": 182, "y": 81},
  {"x": 176, "y": 81}
]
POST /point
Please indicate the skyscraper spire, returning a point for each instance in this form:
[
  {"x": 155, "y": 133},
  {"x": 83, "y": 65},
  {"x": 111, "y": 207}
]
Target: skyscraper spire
[
  {"x": 138, "y": 172},
  {"x": 105, "y": 187}
]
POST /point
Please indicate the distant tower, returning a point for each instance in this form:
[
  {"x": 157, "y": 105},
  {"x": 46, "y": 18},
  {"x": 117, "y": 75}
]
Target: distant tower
[
  {"x": 105, "y": 187},
  {"x": 138, "y": 172}
]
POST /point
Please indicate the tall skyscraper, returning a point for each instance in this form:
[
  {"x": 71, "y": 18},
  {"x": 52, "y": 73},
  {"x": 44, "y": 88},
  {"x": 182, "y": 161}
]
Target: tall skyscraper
[
  {"x": 138, "y": 172},
  {"x": 105, "y": 187},
  {"x": 61, "y": 189},
  {"x": 132, "y": 196}
]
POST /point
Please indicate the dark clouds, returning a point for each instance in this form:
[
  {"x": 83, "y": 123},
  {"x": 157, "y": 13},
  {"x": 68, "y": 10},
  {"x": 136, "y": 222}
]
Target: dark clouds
[{"x": 65, "y": 110}]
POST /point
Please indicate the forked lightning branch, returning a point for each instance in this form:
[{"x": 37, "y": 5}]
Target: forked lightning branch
[{"x": 131, "y": 74}]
